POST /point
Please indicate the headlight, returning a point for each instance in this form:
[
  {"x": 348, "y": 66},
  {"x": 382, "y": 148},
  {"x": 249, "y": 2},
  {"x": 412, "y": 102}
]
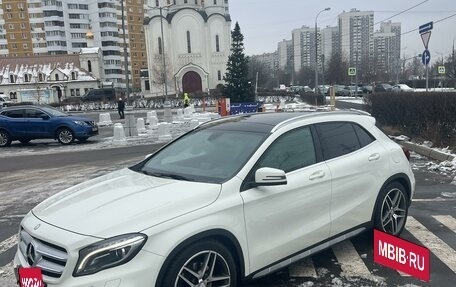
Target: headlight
[
  {"x": 109, "y": 253},
  {"x": 81, "y": 123}
]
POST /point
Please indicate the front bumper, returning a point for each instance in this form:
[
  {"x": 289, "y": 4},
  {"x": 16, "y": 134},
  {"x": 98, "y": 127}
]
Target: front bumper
[
  {"x": 140, "y": 271},
  {"x": 86, "y": 131}
]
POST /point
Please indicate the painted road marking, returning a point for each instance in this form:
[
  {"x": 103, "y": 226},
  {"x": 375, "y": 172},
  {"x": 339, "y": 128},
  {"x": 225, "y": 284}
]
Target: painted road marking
[
  {"x": 8, "y": 243},
  {"x": 429, "y": 240},
  {"x": 447, "y": 220},
  {"x": 351, "y": 263},
  {"x": 433, "y": 199},
  {"x": 303, "y": 268}
]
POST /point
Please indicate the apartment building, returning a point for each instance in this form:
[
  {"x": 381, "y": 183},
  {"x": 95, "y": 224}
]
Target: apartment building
[{"x": 54, "y": 27}]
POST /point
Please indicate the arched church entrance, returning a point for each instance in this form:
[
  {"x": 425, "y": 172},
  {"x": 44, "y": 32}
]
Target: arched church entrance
[{"x": 191, "y": 82}]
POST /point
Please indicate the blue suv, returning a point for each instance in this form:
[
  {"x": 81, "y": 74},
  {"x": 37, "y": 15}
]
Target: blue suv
[{"x": 25, "y": 123}]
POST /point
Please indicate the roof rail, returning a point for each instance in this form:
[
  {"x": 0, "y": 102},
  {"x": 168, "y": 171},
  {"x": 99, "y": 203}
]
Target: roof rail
[{"x": 311, "y": 115}]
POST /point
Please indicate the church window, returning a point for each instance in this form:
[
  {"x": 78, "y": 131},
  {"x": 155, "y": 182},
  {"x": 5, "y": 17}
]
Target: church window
[
  {"x": 189, "y": 44},
  {"x": 215, "y": 2},
  {"x": 185, "y": 1},
  {"x": 40, "y": 77},
  {"x": 217, "y": 43},
  {"x": 196, "y": 2},
  {"x": 56, "y": 77},
  {"x": 90, "y": 66},
  {"x": 219, "y": 75},
  {"x": 156, "y": 3},
  {"x": 160, "y": 47}
]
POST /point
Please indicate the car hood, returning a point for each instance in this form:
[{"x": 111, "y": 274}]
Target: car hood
[{"x": 123, "y": 201}]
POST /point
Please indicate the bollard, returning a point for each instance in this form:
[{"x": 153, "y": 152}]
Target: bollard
[
  {"x": 119, "y": 134},
  {"x": 104, "y": 119},
  {"x": 130, "y": 125},
  {"x": 140, "y": 126},
  {"x": 150, "y": 114},
  {"x": 163, "y": 132},
  {"x": 153, "y": 122}
]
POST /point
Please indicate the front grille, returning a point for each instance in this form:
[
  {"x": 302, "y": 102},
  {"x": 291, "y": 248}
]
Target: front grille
[{"x": 49, "y": 257}]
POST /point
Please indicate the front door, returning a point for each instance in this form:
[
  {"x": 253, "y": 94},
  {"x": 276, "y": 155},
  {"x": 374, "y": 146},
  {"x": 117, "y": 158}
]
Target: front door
[
  {"x": 282, "y": 220},
  {"x": 191, "y": 82}
]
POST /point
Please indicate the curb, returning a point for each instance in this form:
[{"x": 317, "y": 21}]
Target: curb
[{"x": 426, "y": 151}]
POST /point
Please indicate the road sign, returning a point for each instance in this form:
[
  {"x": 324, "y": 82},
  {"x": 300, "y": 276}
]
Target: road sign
[
  {"x": 426, "y": 57},
  {"x": 442, "y": 70},
  {"x": 426, "y": 27},
  {"x": 352, "y": 71},
  {"x": 425, "y": 37}
]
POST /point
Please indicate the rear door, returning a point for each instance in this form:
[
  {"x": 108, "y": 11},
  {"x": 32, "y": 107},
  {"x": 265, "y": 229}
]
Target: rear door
[
  {"x": 356, "y": 161},
  {"x": 17, "y": 125},
  {"x": 282, "y": 220}
]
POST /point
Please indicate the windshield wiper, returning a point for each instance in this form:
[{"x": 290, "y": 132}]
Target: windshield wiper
[{"x": 167, "y": 175}]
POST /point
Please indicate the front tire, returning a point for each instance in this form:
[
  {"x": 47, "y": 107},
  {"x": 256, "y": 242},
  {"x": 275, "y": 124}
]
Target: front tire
[
  {"x": 391, "y": 209},
  {"x": 5, "y": 138},
  {"x": 204, "y": 263},
  {"x": 65, "y": 136}
]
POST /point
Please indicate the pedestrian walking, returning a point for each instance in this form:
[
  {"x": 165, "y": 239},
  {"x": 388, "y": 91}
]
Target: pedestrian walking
[
  {"x": 186, "y": 100},
  {"x": 121, "y": 108}
]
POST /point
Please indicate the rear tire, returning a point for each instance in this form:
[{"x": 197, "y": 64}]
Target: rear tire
[
  {"x": 5, "y": 138},
  {"x": 207, "y": 262},
  {"x": 391, "y": 209},
  {"x": 65, "y": 136}
]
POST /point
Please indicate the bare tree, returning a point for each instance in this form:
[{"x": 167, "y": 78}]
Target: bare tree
[
  {"x": 158, "y": 75},
  {"x": 337, "y": 70}
]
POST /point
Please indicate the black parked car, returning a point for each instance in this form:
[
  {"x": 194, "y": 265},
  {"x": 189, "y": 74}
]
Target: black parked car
[
  {"x": 379, "y": 88},
  {"x": 28, "y": 122}
]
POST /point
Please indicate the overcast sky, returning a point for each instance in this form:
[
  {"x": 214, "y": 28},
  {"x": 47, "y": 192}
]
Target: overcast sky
[{"x": 264, "y": 23}]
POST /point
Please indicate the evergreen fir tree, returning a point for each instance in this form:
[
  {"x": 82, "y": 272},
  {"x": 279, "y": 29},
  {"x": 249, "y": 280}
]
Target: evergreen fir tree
[{"x": 237, "y": 87}]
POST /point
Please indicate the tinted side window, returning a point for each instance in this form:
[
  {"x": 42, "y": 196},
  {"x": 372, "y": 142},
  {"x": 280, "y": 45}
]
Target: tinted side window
[
  {"x": 364, "y": 137},
  {"x": 337, "y": 139},
  {"x": 291, "y": 151},
  {"x": 14, "y": 114},
  {"x": 33, "y": 113}
]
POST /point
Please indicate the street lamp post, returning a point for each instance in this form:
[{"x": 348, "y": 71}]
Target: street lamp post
[{"x": 316, "y": 48}]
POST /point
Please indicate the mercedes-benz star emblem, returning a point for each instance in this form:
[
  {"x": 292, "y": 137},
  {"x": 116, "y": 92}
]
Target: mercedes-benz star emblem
[{"x": 32, "y": 256}]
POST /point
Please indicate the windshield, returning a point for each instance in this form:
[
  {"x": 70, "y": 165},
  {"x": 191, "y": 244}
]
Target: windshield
[
  {"x": 54, "y": 112},
  {"x": 208, "y": 155}
]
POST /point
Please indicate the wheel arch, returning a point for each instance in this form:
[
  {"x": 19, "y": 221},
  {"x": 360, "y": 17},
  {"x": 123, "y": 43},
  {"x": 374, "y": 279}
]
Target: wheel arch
[
  {"x": 401, "y": 178},
  {"x": 223, "y": 236}
]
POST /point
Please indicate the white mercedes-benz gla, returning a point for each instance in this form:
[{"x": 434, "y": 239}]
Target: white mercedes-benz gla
[{"x": 235, "y": 198}]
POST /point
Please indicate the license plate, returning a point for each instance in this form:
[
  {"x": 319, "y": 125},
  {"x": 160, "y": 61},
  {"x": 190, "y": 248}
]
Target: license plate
[{"x": 29, "y": 277}]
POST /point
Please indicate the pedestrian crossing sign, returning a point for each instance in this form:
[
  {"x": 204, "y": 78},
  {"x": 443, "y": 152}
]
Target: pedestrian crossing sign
[
  {"x": 352, "y": 71},
  {"x": 442, "y": 70}
]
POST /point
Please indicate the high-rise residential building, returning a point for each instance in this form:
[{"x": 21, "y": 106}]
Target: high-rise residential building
[
  {"x": 270, "y": 61},
  {"x": 304, "y": 48},
  {"x": 356, "y": 32},
  {"x": 387, "y": 50},
  {"x": 36, "y": 27},
  {"x": 330, "y": 42},
  {"x": 284, "y": 53},
  {"x": 194, "y": 44}
]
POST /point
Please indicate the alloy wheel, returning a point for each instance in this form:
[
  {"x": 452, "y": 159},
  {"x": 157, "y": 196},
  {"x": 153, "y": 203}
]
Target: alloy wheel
[
  {"x": 65, "y": 136},
  {"x": 204, "y": 269},
  {"x": 394, "y": 211}
]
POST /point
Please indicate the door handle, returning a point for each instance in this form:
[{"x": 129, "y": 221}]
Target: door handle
[
  {"x": 317, "y": 174},
  {"x": 374, "y": 156}
]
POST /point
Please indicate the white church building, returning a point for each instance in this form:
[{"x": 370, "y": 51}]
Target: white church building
[{"x": 196, "y": 46}]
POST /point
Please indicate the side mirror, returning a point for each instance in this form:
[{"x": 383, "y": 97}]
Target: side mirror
[
  {"x": 45, "y": 117},
  {"x": 267, "y": 176}
]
